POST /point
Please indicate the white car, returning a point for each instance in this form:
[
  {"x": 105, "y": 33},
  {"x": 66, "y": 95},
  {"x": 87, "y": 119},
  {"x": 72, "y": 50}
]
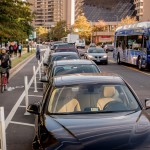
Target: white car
[{"x": 98, "y": 55}]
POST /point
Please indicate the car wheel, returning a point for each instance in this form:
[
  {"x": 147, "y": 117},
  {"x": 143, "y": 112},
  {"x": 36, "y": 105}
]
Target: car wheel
[
  {"x": 106, "y": 63},
  {"x": 140, "y": 64},
  {"x": 118, "y": 59}
]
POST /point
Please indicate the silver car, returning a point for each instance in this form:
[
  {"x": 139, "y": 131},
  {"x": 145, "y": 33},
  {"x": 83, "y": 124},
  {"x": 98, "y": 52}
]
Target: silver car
[{"x": 98, "y": 55}]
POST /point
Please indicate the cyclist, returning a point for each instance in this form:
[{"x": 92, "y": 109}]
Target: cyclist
[{"x": 5, "y": 61}]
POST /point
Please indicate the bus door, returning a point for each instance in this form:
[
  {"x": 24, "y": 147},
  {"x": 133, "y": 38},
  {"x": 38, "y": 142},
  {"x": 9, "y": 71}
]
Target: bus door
[{"x": 121, "y": 48}]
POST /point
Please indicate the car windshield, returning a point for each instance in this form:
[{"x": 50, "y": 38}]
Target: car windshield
[
  {"x": 92, "y": 98},
  {"x": 72, "y": 69},
  {"x": 64, "y": 57},
  {"x": 100, "y": 50}
]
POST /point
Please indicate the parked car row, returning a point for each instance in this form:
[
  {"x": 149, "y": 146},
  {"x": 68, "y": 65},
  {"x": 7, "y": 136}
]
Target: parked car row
[{"x": 86, "y": 109}]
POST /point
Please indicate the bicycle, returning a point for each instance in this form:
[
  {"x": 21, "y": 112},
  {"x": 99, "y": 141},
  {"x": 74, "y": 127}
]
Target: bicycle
[{"x": 3, "y": 72}]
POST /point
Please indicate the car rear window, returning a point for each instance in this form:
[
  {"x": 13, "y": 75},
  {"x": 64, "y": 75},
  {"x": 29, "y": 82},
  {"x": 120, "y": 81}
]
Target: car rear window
[{"x": 72, "y": 69}]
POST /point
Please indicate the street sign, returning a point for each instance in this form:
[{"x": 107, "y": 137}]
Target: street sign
[{"x": 30, "y": 36}]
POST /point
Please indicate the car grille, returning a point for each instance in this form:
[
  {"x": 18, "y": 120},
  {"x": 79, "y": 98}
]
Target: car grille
[{"x": 97, "y": 56}]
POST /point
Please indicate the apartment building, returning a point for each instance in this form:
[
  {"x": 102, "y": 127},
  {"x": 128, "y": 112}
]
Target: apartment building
[
  {"x": 49, "y": 12},
  {"x": 146, "y": 10},
  {"x": 139, "y": 8}
]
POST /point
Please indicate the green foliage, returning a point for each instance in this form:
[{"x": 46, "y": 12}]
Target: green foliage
[
  {"x": 42, "y": 33},
  {"x": 59, "y": 31},
  {"x": 83, "y": 26},
  {"x": 15, "y": 19}
]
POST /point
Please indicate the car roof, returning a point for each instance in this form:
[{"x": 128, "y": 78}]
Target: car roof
[
  {"x": 66, "y": 48},
  {"x": 64, "y": 53},
  {"x": 73, "y": 62},
  {"x": 87, "y": 78}
]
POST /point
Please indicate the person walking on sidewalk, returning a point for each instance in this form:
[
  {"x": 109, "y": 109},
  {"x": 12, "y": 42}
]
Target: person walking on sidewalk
[
  {"x": 19, "y": 49},
  {"x": 11, "y": 48},
  {"x": 38, "y": 52},
  {"x": 15, "y": 48}
]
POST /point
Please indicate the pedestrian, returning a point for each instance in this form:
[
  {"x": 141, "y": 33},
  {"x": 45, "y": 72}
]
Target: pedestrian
[
  {"x": 19, "y": 49},
  {"x": 11, "y": 50},
  {"x": 38, "y": 52},
  {"x": 15, "y": 49}
]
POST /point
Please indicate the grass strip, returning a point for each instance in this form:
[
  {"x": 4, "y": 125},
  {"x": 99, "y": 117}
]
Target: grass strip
[{"x": 18, "y": 60}]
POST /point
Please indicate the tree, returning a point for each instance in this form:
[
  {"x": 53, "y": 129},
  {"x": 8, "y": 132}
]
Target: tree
[
  {"x": 127, "y": 20},
  {"x": 83, "y": 26},
  {"x": 59, "y": 31},
  {"x": 15, "y": 19},
  {"x": 42, "y": 33},
  {"x": 99, "y": 26}
]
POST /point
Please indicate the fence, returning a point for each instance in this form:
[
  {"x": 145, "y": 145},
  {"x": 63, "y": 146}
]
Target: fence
[{"x": 2, "y": 130}]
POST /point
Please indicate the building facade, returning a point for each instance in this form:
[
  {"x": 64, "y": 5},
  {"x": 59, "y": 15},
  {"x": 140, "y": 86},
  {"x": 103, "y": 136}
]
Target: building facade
[
  {"x": 146, "y": 10},
  {"x": 139, "y": 8},
  {"x": 49, "y": 12}
]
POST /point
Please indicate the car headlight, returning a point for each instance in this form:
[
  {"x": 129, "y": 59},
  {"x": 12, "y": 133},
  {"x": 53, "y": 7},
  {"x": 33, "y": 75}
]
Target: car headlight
[
  {"x": 91, "y": 57},
  {"x": 105, "y": 56}
]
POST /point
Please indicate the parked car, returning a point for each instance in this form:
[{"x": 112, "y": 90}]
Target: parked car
[
  {"x": 90, "y": 112},
  {"x": 109, "y": 48},
  {"x": 98, "y": 55},
  {"x": 66, "y": 50},
  {"x": 54, "y": 43},
  {"x": 60, "y": 56},
  {"x": 63, "y": 45},
  {"x": 64, "y": 67}
]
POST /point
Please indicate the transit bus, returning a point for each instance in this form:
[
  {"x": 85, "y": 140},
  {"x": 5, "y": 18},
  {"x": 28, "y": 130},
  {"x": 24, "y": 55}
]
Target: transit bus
[{"x": 132, "y": 45}]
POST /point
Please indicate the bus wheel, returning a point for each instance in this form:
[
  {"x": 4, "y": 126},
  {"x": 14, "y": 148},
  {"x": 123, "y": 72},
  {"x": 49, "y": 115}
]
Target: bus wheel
[
  {"x": 118, "y": 59},
  {"x": 139, "y": 64}
]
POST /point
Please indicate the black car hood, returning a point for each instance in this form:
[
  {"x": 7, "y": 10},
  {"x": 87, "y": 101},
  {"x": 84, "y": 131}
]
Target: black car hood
[{"x": 121, "y": 131}]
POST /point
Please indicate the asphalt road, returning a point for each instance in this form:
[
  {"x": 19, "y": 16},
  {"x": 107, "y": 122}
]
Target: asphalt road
[{"x": 20, "y": 129}]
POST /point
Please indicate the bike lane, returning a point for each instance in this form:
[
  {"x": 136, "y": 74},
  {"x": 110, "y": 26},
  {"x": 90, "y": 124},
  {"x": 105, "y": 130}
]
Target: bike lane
[{"x": 20, "y": 128}]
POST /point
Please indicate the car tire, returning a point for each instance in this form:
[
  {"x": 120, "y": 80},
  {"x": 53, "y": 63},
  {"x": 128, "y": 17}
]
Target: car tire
[{"x": 140, "y": 64}]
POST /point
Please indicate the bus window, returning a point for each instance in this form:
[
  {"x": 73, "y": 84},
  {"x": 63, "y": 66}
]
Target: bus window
[
  {"x": 135, "y": 42},
  {"x": 121, "y": 42}
]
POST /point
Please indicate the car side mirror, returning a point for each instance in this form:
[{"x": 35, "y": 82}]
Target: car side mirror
[
  {"x": 147, "y": 103},
  {"x": 34, "y": 108},
  {"x": 45, "y": 64},
  {"x": 44, "y": 79},
  {"x": 81, "y": 54}
]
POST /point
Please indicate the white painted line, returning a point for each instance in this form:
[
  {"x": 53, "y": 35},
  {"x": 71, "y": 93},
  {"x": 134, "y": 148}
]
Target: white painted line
[
  {"x": 137, "y": 70},
  {"x": 35, "y": 95},
  {"x": 22, "y": 106},
  {"x": 21, "y": 123},
  {"x": 14, "y": 109}
]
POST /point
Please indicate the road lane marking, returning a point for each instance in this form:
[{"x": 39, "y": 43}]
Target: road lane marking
[
  {"x": 132, "y": 68},
  {"x": 138, "y": 70},
  {"x": 22, "y": 106},
  {"x": 22, "y": 123},
  {"x": 16, "y": 106},
  {"x": 35, "y": 96}
]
